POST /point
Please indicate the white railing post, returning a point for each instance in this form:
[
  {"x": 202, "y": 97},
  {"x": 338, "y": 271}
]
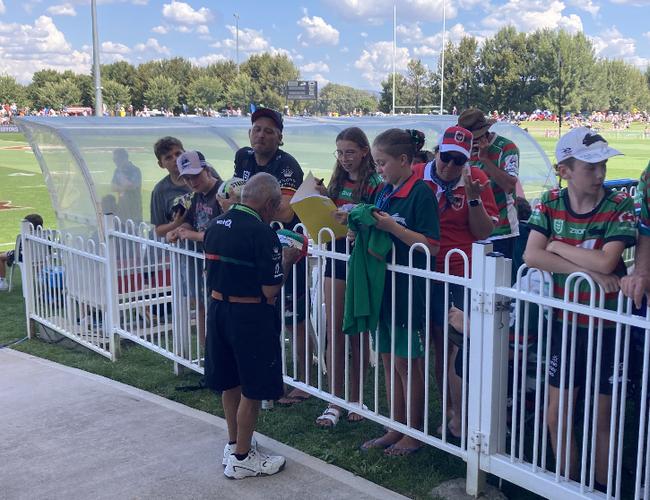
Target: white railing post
[
  {"x": 28, "y": 276},
  {"x": 111, "y": 314},
  {"x": 475, "y": 483},
  {"x": 496, "y": 320}
]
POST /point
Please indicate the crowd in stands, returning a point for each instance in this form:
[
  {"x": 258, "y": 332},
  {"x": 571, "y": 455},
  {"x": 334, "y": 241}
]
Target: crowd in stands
[{"x": 391, "y": 194}]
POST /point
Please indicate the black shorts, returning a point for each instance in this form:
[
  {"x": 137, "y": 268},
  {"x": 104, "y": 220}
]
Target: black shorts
[
  {"x": 437, "y": 300},
  {"x": 301, "y": 296},
  {"x": 339, "y": 265},
  {"x": 242, "y": 348},
  {"x": 606, "y": 379}
]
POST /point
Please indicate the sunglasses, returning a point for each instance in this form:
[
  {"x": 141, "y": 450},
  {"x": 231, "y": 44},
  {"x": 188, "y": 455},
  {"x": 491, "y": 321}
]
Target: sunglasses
[{"x": 458, "y": 160}]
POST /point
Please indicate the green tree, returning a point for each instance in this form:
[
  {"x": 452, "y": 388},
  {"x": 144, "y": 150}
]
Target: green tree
[
  {"x": 271, "y": 74},
  {"x": 242, "y": 91},
  {"x": 182, "y": 73},
  {"x": 224, "y": 71},
  {"x": 162, "y": 92},
  {"x": 120, "y": 72},
  {"x": 86, "y": 85},
  {"x": 59, "y": 95},
  {"x": 627, "y": 85},
  {"x": 402, "y": 93},
  {"x": 12, "y": 92},
  {"x": 461, "y": 75},
  {"x": 206, "y": 93},
  {"x": 114, "y": 94},
  {"x": 418, "y": 79},
  {"x": 335, "y": 98}
]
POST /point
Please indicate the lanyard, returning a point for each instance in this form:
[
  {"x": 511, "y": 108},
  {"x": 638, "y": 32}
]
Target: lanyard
[
  {"x": 248, "y": 210},
  {"x": 387, "y": 193}
]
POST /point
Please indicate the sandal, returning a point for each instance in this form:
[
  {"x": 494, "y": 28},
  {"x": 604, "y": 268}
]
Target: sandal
[
  {"x": 355, "y": 417},
  {"x": 330, "y": 417},
  {"x": 380, "y": 443},
  {"x": 290, "y": 400},
  {"x": 395, "y": 451}
]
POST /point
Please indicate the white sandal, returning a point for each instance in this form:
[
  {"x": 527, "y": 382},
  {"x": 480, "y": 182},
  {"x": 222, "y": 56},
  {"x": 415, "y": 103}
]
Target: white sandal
[{"x": 330, "y": 417}]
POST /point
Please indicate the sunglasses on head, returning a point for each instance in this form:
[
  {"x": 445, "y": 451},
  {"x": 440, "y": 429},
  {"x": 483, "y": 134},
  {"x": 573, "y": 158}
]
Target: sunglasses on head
[{"x": 458, "y": 160}]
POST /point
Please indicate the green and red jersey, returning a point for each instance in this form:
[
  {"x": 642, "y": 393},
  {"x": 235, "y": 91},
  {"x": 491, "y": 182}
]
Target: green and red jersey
[
  {"x": 611, "y": 220},
  {"x": 345, "y": 197},
  {"x": 455, "y": 232},
  {"x": 505, "y": 155},
  {"x": 643, "y": 199}
]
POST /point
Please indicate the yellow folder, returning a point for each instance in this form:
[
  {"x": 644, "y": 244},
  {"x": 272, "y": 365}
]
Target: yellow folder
[{"x": 316, "y": 211}]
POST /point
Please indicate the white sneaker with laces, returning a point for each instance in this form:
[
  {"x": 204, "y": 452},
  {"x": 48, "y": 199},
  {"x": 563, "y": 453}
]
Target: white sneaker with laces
[
  {"x": 256, "y": 463},
  {"x": 229, "y": 449}
]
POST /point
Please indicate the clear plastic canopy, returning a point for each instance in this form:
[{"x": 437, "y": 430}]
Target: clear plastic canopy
[{"x": 86, "y": 159}]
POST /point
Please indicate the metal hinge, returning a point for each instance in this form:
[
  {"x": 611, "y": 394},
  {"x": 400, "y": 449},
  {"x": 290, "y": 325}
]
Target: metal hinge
[
  {"x": 478, "y": 443},
  {"x": 489, "y": 303}
]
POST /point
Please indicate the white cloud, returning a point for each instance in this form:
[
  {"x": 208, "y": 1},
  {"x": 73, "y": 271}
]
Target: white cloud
[
  {"x": 161, "y": 30},
  {"x": 633, "y": 3},
  {"x": 611, "y": 44},
  {"x": 377, "y": 12},
  {"x": 647, "y": 35},
  {"x": 207, "y": 60},
  {"x": 203, "y": 30},
  {"x": 26, "y": 48},
  {"x": 152, "y": 45},
  {"x": 322, "y": 81},
  {"x": 317, "y": 31},
  {"x": 315, "y": 67},
  {"x": 375, "y": 62},
  {"x": 65, "y": 9},
  {"x": 586, "y": 5},
  {"x": 345, "y": 50},
  {"x": 531, "y": 15},
  {"x": 183, "y": 13},
  {"x": 428, "y": 46},
  {"x": 115, "y": 48},
  {"x": 250, "y": 42},
  {"x": 3, "y": 9}
]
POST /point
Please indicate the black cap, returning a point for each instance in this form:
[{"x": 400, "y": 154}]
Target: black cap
[{"x": 268, "y": 113}]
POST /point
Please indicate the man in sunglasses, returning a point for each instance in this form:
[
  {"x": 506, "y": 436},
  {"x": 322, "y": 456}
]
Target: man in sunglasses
[{"x": 498, "y": 157}]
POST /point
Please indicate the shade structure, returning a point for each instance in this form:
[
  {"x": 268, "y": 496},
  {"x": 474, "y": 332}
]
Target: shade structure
[{"x": 79, "y": 156}]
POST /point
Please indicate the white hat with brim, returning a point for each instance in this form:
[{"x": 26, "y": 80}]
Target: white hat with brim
[{"x": 584, "y": 144}]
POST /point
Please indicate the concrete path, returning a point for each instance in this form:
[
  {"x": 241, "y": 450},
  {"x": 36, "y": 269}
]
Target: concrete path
[{"x": 68, "y": 434}]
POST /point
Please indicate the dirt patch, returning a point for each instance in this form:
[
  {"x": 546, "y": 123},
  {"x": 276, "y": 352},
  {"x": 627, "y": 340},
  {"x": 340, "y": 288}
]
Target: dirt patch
[
  {"x": 6, "y": 205},
  {"x": 15, "y": 148}
]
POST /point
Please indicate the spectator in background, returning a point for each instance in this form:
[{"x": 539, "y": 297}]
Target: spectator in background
[
  {"x": 498, "y": 157},
  {"x": 169, "y": 189},
  {"x": 127, "y": 183},
  {"x": 7, "y": 259}
]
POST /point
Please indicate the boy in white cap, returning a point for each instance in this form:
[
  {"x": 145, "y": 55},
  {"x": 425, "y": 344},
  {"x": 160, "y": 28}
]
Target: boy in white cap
[{"x": 581, "y": 228}]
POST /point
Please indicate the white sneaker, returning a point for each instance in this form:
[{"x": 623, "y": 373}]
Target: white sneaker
[
  {"x": 256, "y": 463},
  {"x": 3, "y": 285},
  {"x": 229, "y": 449}
]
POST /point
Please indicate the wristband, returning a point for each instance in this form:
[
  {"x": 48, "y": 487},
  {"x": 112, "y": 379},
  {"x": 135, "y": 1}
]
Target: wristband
[{"x": 475, "y": 203}]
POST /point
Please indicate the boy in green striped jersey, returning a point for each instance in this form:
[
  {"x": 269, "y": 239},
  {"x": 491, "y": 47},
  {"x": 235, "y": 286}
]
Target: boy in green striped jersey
[
  {"x": 637, "y": 284},
  {"x": 581, "y": 228}
]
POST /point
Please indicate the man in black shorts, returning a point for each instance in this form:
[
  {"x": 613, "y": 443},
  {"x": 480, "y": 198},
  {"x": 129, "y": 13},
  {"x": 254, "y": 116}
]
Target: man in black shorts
[
  {"x": 265, "y": 155},
  {"x": 246, "y": 267}
]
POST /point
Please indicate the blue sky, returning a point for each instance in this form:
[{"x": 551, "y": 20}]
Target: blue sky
[{"x": 344, "y": 41}]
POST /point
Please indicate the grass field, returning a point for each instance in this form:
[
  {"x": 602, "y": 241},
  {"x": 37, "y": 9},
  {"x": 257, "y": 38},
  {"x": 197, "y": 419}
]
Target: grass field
[{"x": 22, "y": 182}]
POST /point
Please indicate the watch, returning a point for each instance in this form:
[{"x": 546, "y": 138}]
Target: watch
[{"x": 475, "y": 203}]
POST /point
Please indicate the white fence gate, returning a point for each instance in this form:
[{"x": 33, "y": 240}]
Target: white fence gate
[{"x": 490, "y": 385}]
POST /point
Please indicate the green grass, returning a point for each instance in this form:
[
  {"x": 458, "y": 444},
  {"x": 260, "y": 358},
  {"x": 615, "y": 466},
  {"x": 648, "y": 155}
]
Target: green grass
[{"x": 414, "y": 477}]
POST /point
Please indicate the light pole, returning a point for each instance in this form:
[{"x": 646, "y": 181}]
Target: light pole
[
  {"x": 442, "y": 65},
  {"x": 99, "y": 105},
  {"x": 236, "y": 16},
  {"x": 394, "y": 51}
]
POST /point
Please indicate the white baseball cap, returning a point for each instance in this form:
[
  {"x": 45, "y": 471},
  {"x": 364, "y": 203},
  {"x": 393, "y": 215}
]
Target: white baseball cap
[
  {"x": 584, "y": 144},
  {"x": 191, "y": 163}
]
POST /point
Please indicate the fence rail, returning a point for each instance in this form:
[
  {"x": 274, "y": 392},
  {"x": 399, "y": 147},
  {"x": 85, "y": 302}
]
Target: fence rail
[{"x": 484, "y": 369}]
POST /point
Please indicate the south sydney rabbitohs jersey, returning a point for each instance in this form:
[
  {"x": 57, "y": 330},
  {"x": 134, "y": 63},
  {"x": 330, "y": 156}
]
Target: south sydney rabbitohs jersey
[
  {"x": 643, "y": 201},
  {"x": 612, "y": 220},
  {"x": 505, "y": 155}
]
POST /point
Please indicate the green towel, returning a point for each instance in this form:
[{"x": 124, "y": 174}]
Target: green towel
[{"x": 366, "y": 272}]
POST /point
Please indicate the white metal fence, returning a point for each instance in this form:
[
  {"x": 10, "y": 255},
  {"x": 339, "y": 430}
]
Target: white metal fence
[{"x": 494, "y": 390}]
